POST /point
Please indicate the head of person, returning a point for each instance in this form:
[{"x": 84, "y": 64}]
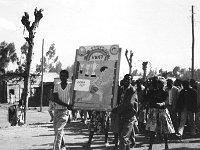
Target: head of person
[
  {"x": 122, "y": 82},
  {"x": 169, "y": 83},
  {"x": 160, "y": 84},
  {"x": 127, "y": 80},
  {"x": 154, "y": 82},
  {"x": 138, "y": 82},
  {"x": 64, "y": 75},
  {"x": 193, "y": 83},
  {"x": 186, "y": 84},
  {"x": 177, "y": 83}
]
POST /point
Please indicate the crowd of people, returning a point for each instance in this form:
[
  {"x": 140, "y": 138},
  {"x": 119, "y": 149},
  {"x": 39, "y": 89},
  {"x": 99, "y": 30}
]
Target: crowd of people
[{"x": 155, "y": 107}]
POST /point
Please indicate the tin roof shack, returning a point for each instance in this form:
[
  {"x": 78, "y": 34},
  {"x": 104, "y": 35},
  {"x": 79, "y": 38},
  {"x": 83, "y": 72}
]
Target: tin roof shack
[
  {"x": 48, "y": 82},
  {"x": 14, "y": 90}
]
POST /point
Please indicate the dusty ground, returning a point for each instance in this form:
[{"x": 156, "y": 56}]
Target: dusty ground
[{"x": 38, "y": 134}]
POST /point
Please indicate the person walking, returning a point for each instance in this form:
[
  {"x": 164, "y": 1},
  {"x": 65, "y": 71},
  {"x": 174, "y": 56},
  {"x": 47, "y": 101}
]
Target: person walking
[
  {"x": 61, "y": 111},
  {"x": 158, "y": 120},
  {"x": 115, "y": 116},
  {"x": 99, "y": 123},
  {"x": 141, "y": 105},
  {"x": 187, "y": 106},
  {"x": 173, "y": 93},
  {"x": 127, "y": 111}
]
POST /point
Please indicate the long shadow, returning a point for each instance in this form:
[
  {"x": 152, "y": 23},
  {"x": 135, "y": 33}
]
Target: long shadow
[
  {"x": 44, "y": 135},
  {"x": 45, "y": 125},
  {"x": 184, "y": 148},
  {"x": 39, "y": 123}
]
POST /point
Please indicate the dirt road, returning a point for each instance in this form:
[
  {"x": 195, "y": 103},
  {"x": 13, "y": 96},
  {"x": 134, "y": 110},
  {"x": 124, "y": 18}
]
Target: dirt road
[{"x": 38, "y": 134}]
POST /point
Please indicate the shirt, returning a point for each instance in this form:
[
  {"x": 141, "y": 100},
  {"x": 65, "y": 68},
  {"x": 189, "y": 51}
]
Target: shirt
[
  {"x": 63, "y": 95},
  {"x": 170, "y": 96}
]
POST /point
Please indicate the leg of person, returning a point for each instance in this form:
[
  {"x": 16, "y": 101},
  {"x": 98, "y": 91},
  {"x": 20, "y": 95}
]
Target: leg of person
[
  {"x": 191, "y": 120},
  {"x": 166, "y": 141},
  {"x": 106, "y": 132},
  {"x": 174, "y": 118},
  {"x": 132, "y": 138},
  {"x": 171, "y": 113},
  {"x": 74, "y": 114},
  {"x": 88, "y": 144},
  {"x": 85, "y": 116},
  {"x": 127, "y": 128},
  {"x": 60, "y": 120},
  {"x": 115, "y": 141},
  {"x": 51, "y": 115},
  {"x": 81, "y": 114},
  {"x": 197, "y": 121},
  {"x": 152, "y": 137},
  {"x": 182, "y": 123}
]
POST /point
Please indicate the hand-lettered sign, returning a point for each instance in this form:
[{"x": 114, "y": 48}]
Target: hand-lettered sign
[{"x": 95, "y": 77}]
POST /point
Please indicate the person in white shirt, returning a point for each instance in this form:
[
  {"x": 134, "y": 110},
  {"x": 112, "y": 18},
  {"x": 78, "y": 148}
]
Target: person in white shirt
[
  {"x": 173, "y": 93},
  {"x": 61, "y": 109}
]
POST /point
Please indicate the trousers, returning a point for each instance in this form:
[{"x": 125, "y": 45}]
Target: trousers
[
  {"x": 60, "y": 120},
  {"x": 191, "y": 119},
  {"x": 126, "y": 131}
]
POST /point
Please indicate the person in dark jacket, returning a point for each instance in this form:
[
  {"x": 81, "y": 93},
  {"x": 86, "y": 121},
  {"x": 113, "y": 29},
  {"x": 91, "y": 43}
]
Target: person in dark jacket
[
  {"x": 115, "y": 116},
  {"x": 127, "y": 111},
  {"x": 186, "y": 106}
]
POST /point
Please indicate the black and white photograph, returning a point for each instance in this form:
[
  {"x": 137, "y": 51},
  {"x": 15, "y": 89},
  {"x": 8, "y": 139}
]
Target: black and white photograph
[{"x": 99, "y": 74}]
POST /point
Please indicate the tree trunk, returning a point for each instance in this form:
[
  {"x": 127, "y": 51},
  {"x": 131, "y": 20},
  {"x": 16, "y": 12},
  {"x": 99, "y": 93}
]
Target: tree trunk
[
  {"x": 31, "y": 30},
  {"x": 27, "y": 74}
]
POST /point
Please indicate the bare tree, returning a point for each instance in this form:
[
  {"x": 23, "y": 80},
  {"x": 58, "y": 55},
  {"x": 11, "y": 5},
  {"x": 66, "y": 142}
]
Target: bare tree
[
  {"x": 31, "y": 28},
  {"x": 144, "y": 67},
  {"x": 129, "y": 60}
]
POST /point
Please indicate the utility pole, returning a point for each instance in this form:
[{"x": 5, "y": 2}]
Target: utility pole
[
  {"x": 192, "y": 43},
  {"x": 41, "y": 96}
]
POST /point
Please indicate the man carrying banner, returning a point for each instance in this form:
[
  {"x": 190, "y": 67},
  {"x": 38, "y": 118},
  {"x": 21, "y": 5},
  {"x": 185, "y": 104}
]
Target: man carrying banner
[{"x": 61, "y": 111}]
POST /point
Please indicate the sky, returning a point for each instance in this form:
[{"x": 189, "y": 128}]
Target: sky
[{"x": 157, "y": 31}]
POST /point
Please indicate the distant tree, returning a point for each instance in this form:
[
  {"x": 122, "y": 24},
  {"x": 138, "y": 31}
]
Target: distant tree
[
  {"x": 135, "y": 72},
  {"x": 151, "y": 73},
  {"x": 186, "y": 75},
  {"x": 7, "y": 54},
  {"x": 22, "y": 59},
  {"x": 176, "y": 72},
  {"x": 58, "y": 67},
  {"x": 144, "y": 68},
  {"x": 160, "y": 71},
  {"x": 50, "y": 61},
  {"x": 197, "y": 75},
  {"x": 164, "y": 74},
  {"x": 70, "y": 69},
  {"x": 182, "y": 71},
  {"x": 170, "y": 74},
  {"x": 129, "y": 60}
]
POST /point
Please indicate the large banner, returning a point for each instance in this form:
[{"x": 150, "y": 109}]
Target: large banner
[{"x": 95, "y": 77}]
